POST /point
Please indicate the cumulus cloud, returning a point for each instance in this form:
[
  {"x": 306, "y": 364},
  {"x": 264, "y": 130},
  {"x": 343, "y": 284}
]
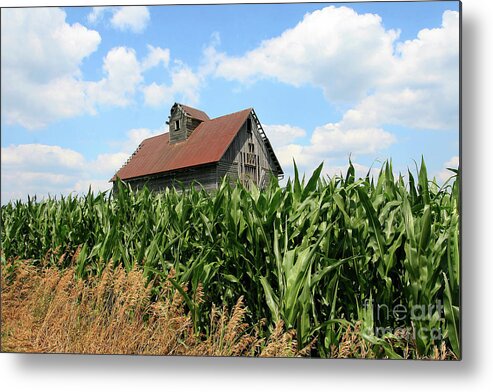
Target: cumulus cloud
[
  {"x": 297, "y": 152},
  {"x": 422, "y": 89},
  {"x": 124, "y": 77},
  {"x": 445, "y": 174},
  {"x": 336, "y": 49},
  {"x": 40, "y": 66},
  {"x": 43, "y": 81},
  {"x": 155, "y": 57},
  {"x": 97, "y": 14},
  {"x": 352, "y": 58},
  {"x": 108, "y": 163},
  {"x": 133, "y": 18},
  {"x": 360, "y": 171},
  {"x": 18, "y": 185},
  {"x": 331, "y": 141},
  {"x": 331, "y": 138},
  {"x": 185, "y": 85},
  {"x": 282, "y": 134},
  {"x": 40, "y": 169},
  {"x": 123, "y": 74},
  {"x": 82, "y": 186},
  {"x": 331, "y": 167},
  {"x": 40, "y": 156},
  {"x": 126, "y": 18},
  {"x": 133, "y": 138}
]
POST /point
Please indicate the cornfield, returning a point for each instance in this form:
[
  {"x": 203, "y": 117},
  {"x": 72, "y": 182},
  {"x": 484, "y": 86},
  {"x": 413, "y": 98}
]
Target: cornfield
[{"x": 324, "y": 256}]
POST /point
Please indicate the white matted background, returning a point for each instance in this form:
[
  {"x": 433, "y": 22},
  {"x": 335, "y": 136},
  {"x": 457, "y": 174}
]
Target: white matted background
[{"x": 39, "y": 372}]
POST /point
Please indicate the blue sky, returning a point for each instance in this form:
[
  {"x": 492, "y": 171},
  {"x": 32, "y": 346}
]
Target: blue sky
[{"x": 374, "y": 80}]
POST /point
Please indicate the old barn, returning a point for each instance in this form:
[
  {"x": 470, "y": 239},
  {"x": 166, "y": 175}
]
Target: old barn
[{"x": 200, "y": 150}]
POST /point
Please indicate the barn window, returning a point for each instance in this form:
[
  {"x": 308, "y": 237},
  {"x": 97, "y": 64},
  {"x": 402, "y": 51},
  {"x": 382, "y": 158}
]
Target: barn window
[
  {"x": 249, "y": 125},
  {"x": 177, "y": 125}
]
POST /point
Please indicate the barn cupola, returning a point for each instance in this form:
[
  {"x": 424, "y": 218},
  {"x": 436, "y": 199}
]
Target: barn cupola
[{"x": 182, "y": 122}]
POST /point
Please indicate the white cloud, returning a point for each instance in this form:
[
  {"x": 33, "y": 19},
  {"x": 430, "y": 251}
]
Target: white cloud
[
  {"x": 133, "y": 138},
  {"x": 40, "y": 156},
  {"x": 360, "y": 171},
  {"x": 330, "y": 141},
  {"x": 331, "y": 168},
  {"x": 96, "y": 14},
  {"x": 133, "y": 18},
  {"x": 40, "y": 66},
  {"x": 422, "y": 89},
  {"x": 434, "y": 51},
  {"x": 40, "y": 169},
  {"x": 353, "y": 58},
  {"x": 453, "y": 162},
  {"x": 21, "y": 183},
  {"x": 155, "y": 56},
  {"x": 82, "y": 186},
  {"x": 107, "y": 164},
  {"x": 331, "y": 144},
  {"x": 156, "y": 95},
  {"x": 286, "y": 154},
  {"x": 336, "y": 49},
  {"x": 43, "y": 81},
  {"x": 122, "y": 76},
  {"x": 44, "y": 50},
  {"x": 331, "y": 138},
  {"x": 445, "y": 174},
  {"x": 326, "y": 143},
  {"x": 283, "y": 134},
  {"x": 185, "y": 85}
]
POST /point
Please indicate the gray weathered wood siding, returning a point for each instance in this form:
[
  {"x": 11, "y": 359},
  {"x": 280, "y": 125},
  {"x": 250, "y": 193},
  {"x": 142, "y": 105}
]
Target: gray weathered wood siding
[
  {"x": 177, "y": 134},
  {"x": 187, "y": 125},
  {"x": 191, "y": 124},
  {"x": 240, "y": 162}
]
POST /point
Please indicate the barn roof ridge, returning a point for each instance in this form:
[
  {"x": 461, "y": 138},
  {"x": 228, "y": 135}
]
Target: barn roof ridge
[{"x": 210, "y": 119}]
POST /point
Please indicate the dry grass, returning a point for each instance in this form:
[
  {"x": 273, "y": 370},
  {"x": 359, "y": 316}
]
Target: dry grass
[
  {"x": 352, "y": 345},
  {"x": 47, "y": 310}
]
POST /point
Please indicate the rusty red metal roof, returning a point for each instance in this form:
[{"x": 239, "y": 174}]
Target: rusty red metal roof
[
  {"x": 195, "y": 113},
  {"x": 207, "y": 144}
]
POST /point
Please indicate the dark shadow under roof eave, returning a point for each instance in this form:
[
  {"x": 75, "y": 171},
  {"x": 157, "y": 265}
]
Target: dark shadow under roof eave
[{"x": 167, "y": 171}]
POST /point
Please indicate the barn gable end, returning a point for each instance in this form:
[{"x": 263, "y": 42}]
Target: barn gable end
[{"x": 250, "y": 158}]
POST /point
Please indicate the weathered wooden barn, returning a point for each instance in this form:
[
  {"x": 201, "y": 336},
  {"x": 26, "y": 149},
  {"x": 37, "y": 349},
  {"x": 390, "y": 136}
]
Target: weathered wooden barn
[{"x": 200, "y": 150}]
